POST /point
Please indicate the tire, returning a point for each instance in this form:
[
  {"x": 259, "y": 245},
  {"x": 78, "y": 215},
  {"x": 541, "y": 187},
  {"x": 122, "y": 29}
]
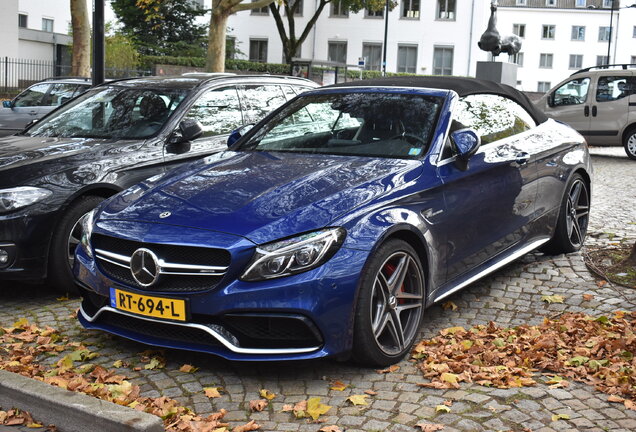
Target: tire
[
  {"x": 574, "y": 214},
  {"x": 67, "y": 235},
  {"x": 629, "y": 142},
  {"x": 390, "y": 305}
]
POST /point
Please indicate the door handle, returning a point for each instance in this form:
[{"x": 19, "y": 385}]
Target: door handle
[
  {"x": 586, "y": 111},
  {"x": 522, "y": 158},
  {"x": 33, "y": 112},
  {"x": 594, "y": 111}
]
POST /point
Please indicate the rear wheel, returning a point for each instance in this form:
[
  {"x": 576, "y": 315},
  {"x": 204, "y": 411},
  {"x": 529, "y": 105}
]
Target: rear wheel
[
  {"x": 390, "y": 305},
  {"x": 67, "y": 236},
  {"x": 574, "y": 215},
  {"x": 629, "y": 142}
]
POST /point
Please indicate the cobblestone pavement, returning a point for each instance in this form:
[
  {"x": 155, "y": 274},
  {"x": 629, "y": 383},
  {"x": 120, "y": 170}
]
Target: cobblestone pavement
[{"x": 509, "y": 297}]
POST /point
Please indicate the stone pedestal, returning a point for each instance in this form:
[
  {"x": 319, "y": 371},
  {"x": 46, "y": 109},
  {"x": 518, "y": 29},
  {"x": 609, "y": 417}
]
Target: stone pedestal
[{"x": 501, "y": 72}]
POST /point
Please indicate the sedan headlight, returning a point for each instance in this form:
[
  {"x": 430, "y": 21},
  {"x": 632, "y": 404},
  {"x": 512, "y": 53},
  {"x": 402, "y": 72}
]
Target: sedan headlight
[
  {"x": 294, "y": 255},
  {"x": 18, "y": 197},
  {"x": 87, "y": 222}
]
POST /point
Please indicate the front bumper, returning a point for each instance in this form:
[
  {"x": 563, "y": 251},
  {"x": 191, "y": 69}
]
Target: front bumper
[{"x": 308, "y": 315}]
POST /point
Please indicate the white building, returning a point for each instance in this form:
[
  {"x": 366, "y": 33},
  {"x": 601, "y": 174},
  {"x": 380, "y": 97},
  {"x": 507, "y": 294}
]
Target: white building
[
  {"x": 440, "y": 36},
  {"x": 35, "y": 29}
]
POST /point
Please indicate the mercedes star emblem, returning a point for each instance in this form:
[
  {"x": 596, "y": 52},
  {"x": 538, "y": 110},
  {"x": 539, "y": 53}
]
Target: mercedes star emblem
[
  {"x": 144, "y": 266},
  {"x": 164, "y": 214}
]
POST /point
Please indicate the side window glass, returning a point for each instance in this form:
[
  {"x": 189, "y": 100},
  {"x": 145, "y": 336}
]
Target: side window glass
[
  {"x": 260, "y": 100},
  {"x": 289, "y": 92},
  {"x": 611, "y": 88},
  {"x": 218, "y": 111},
  {"x": 493, "y": 117},
  {"x": 59, "y": 94},
  {"x": 573, "y": 92},
  {"x": 32, "y": 96}
]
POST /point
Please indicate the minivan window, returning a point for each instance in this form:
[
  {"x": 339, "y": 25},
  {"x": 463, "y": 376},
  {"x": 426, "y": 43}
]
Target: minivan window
[
  {"x": 611, "y": 88},
  {"x": 573, "y": 92}
]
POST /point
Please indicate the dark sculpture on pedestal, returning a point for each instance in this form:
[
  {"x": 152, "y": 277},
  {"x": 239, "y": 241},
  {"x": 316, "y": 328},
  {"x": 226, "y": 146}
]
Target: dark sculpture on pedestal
[{"x": 492, "y": 41}]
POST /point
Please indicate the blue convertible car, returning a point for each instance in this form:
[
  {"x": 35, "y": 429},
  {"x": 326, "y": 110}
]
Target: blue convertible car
[{"x": 329, "y": 227}]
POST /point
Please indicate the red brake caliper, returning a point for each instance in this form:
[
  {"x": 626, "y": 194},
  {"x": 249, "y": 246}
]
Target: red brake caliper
[{"x": 390, "y": 269}]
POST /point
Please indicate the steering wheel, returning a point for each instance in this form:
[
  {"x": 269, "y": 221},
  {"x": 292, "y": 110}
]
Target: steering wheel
[{"x": 411, "y": 138}]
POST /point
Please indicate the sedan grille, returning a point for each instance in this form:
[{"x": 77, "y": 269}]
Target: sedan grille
[{"x": 178, "y": 268}]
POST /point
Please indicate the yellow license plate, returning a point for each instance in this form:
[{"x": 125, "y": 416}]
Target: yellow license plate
[{"x": 150, "y": 306}]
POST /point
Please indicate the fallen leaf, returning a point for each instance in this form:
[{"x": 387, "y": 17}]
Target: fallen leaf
[
  {"x": 556, "y": 417},
  {"x": 118, "y": 364},
  {"x": 251, "y": 426},
  {"x": 358, "y": 399},
  {"x": 614, "y": 398},
  {"x": 588, "y": 297},
  {"x": 264, "y": 393},
  {"x": 552, "y": 298},
  {"x": 332, "y": 428},
  {"x": 212, "y": 392},
  {"x": 442, "y": 408},
  {"x": 448, "y": 403},
  {"x": 258, "y": 405},
  {"x": 186, "y": 368},
  {"x": 390, "y": 369},
  {"x": 449, "y": 305},
  {"x": 155, "y": 363},
  {"x": 315, "y": 409},
  {"x": 429, "y": 427},
  {"x": 371, "y": 392},
  {"x": 601, "y": 283},
  {"x": 338, "y": 386}
]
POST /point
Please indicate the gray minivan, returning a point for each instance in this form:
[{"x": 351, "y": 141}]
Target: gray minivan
[{"x": 600, "y": 103}]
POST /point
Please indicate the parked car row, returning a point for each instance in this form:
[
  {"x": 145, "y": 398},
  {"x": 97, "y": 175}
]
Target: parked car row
[{"x": 324, "y": 230}]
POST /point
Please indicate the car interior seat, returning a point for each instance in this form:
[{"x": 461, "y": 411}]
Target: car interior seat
[{"x": 379, "y": 129}]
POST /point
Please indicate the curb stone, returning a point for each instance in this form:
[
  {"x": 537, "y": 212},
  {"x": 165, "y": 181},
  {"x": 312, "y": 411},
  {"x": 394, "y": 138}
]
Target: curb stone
[{"x": 70, "y": 411}]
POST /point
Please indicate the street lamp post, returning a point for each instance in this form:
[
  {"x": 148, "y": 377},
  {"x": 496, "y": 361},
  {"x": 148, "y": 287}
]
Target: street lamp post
[
  {"x": 386, "y": 32},
  {"x": 609, "y": 40}
]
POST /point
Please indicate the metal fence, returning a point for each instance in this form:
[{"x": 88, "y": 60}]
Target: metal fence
[{"x": 18, "y": 74}]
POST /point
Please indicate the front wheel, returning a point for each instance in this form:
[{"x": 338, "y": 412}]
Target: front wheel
[
  {"x": 390, "y": 305},
  {"x": 630, "y": 143},
  {"x": 67, "y": 236},
  {"x": 574, "y": 215}
]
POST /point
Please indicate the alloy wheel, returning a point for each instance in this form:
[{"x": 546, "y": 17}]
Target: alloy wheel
[
  {"x": 630, "y": 146},
  {"x": 578, "y": 210},
  {"x": 74, "y": 238},
  {"x": 396, "y": 303}
]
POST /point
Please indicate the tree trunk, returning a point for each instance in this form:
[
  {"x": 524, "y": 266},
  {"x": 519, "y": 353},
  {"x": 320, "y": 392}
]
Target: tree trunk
[
  {"x": 215, "y": 60},
  {"x": 81, "y": 59}
]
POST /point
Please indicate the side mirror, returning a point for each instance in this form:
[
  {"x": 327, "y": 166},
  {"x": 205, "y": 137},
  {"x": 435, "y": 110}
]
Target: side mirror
[
  {"x": 237, "y": 133},
  {"x": 188, "y": 130},
  {"x": 551, "y": 99},
  {"x": 466, "y": 143},
  {"x": 7, "y": 104}
]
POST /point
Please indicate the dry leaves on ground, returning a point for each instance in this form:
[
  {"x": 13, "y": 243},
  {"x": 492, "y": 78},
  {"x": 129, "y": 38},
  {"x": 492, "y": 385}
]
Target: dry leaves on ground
[
  {"x": 23, "y": 345},
  {"x": 597, "y": 351}
]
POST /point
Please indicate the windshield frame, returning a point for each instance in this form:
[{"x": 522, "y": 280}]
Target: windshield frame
[
  {"x": 243, "y": 144},
  {"x": 91, "y": 92}
]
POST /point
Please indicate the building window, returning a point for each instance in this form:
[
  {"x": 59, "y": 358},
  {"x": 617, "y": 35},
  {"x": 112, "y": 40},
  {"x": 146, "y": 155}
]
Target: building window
[
  {"x": 23, "y": 19},
  {"x": 608, "y": 3},
  {"x": 550, "y": 2},
  {"x": 258, "y": 50},
  {"x": 443, "y": 61},
  {"x": 47, "y": 25},
  {"x": 411, "y": 9},
  {"x": 368, "y": 13},
  {"x": 260, "y": 11},
  {"x": 519, "y": 30},
  {"x": 634, "y": 32},
  {"x": 338, "y": 9},
  {"x": 548, "y": 31},
  {"x": 372, "y": 52},
  {"x": 545, "y": 61},
  {"x": 543, "y": 86},
  {"x": 446, "y": 9},
  {"x": 518, "y": 59},
  {"x": 580, "y": 3},
  {"x": 602, "y": 60},
  {"x": 576, "y": 61},
  {"x": 230, "y": 47},
  {"x": 578, "y": 33},
  {"x": 521, "y": 2},
  {"x": 337, "y": 51},
  {"x": 633, "y": 60},
  {"x": 407, "y": 58},
  {"x": 603, "y": 34}
]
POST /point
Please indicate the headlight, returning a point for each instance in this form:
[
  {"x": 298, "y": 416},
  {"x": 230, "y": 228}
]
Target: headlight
[
  {"x": 294, "y": 255},
  {"x": 18, "y": 197},
  {"x": 88, "y": 221}
]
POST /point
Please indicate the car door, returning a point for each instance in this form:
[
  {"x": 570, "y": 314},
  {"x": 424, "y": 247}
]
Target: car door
[
  {"x": 490, "y": 203},
  {"x": 570, "y": 103},
  {"x": 218, "y": 110},
  {"x": 609, "y": 111},
  {"x": 25, "y": 107}
]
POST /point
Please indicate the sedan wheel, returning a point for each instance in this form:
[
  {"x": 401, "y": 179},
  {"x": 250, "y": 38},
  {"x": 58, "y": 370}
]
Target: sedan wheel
[
  {"x": 390, "y": 305},
  {"x": 574, "y": 215},
  {"x": 630, "y": 144}
]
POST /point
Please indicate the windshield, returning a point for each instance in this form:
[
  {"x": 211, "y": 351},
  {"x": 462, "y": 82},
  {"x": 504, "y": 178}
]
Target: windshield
[
  {"x": 361, "y": 124},
  {"x": 112, "y": 112}
]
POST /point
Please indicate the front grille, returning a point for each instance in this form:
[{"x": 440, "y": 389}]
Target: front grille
[
  {"x": 175, "y": 255},
  {"x": 159, "y": 330},
  {"x": 273, "y": 330}
]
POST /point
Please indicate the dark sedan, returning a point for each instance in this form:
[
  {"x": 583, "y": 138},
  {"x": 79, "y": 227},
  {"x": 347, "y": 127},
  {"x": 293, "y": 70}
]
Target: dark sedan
[
  {"x": 106, "y": 140},
  {"x": 330, "y": 226}
]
